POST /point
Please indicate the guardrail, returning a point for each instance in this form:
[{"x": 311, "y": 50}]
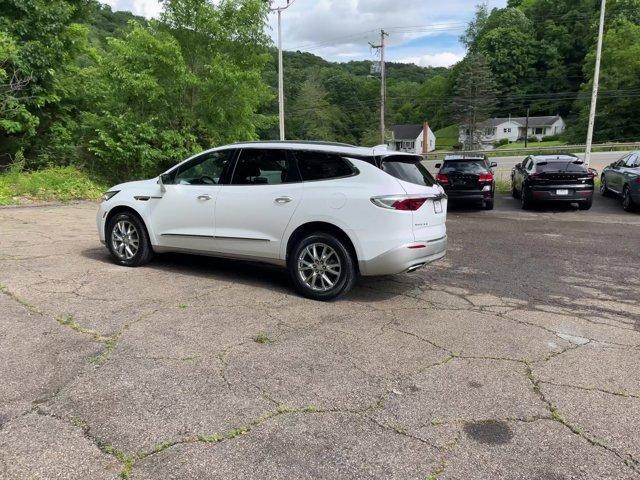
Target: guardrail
[{"x": 532, "y": 150}]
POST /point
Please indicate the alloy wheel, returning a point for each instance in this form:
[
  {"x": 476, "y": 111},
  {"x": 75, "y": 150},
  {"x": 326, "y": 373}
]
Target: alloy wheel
[
  {"x": 125, "y": 240},
  {"x": 319, "y": 267}
]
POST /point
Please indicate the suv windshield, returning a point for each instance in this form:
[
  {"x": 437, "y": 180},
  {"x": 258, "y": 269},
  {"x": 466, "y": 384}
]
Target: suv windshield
[
  {"x": 464, "y": 166},
  {"x": 408, "y": 169}
]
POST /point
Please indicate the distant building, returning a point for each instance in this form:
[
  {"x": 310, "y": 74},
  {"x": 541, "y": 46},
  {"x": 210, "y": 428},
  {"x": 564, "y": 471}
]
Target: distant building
[
  {"x": 515, "y": 128},
  {"x": 411, "y": 139}
]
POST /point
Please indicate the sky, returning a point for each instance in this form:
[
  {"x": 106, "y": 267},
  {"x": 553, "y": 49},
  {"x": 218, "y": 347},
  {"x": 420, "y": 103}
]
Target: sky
[{"x": 424, "y": 32}]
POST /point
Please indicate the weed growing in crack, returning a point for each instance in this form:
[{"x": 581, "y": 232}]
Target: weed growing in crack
[
  {"x": 126, "y": 461},
  {"x": 436, "y": 474},
  {"x": 263, "y": 339},
  {"x": 183, "y": 306},
  {"x": 210, "y": 438}
]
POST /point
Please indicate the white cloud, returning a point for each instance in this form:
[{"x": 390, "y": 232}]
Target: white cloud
[
  {"x": 442, "y": 59},
  {"x": 341, "y": 29},
  {"x": 144, "y": 8}
]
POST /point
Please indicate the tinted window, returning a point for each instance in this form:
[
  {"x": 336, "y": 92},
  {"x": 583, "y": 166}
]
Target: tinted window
[
  {"x": 464, "y": 166},
  {"x": 632, "y": 161},
  {"x": 264, "y": 167},
  {"x": 207, "y": 169},
  {"x": 408, "y": 169},
  {"x": 568, "y": 166},
  {"x": 322, "y": 166}
]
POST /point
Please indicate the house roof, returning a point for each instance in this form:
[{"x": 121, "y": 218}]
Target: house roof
[
  {"x": 406, "y": 132},
  {"x": 522, "y": 121}
]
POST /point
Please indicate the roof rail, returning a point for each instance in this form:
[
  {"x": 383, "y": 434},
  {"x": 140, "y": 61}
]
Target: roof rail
[{"x": 303, "y": 142}]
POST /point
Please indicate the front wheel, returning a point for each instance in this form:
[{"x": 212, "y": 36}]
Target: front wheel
[
  {"x": 322, "y": 267},
  {"x": 128, "y": 241},
  {"x": 604, "y": 189}
]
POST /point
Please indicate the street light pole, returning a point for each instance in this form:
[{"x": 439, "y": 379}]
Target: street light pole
[
  {"x": 383, "y": 83},
  {"x": 596, "y": 85},
  {"x": 281, "y": 67}
]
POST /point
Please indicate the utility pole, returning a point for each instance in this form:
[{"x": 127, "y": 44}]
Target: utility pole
[
  {"x": 526, "y": 131},
  {"x": 383, "y": 83},
  {"x": 596, "y": 84},
  {"x": 281, "y": 67}
]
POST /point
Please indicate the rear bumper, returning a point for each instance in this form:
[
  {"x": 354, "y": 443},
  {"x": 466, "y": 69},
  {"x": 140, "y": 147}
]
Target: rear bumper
[
  {"x": 404, "y": 258},
  {"x": 474, "y": 194},
  {"x": 552, "y": 196}
]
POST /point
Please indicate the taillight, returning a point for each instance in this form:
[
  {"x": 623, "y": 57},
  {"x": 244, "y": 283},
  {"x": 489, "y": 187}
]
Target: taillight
[
  {"x": 399, "y": 202},
  {"x": 486, "y": 177},
  {"x": 442, "y": 179}
]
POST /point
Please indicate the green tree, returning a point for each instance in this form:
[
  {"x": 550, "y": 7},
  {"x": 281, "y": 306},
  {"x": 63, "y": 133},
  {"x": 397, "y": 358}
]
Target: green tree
[{"x": 475, "y": 96}]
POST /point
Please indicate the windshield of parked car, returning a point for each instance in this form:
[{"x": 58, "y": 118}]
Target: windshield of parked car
[
  {"x": 563, "y": 166},
  {"x": 408, "y": 169},
  {"x": 463, "y": 166}
]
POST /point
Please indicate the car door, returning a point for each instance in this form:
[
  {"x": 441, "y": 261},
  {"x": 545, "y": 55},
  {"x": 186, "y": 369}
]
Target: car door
[
  {"x": 184, "y": 217},
  {"x": 615, "y": 175},
  {"x": 628, "y": 170},
  {"x": 253, "y": 211}
]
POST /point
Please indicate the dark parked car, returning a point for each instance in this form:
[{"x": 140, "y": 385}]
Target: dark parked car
[
  {"x": 468, "y": 178},
  {"x": 553, "y": 178},
  {"x": 622, "y": 178}
]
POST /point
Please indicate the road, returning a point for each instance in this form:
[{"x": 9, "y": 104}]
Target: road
[{"x": 515, "y": 357}]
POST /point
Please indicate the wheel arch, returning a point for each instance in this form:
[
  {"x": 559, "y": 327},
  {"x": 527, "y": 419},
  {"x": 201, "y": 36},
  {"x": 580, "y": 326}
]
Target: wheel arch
[
  {"x": 124, "y": 209},
  {"x": 325, "y": 227}
]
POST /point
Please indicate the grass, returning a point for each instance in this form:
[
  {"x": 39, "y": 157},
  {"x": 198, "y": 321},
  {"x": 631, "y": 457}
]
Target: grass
[
  {"x": 532, "y": 145},
  {"x": 61, "y": 184},
  {"x": 447, "y": 137}
]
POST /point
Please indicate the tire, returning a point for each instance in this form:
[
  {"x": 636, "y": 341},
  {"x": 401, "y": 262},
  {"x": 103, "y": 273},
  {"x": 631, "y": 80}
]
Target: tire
[
  {"x": 604, "y": 190},
  {"x": 128, "y": 241},
  {"x": 514, "y": 192},
  {"x": 487, "y": 205},
  {"x": 586, "y": 205},
  {"x": 627, "y": 202},
  {"x": 313, "y": 255},
  {"x": 525, "y": 200}
]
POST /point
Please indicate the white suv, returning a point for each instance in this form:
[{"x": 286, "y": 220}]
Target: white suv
[{"x": 327, "y": 212}]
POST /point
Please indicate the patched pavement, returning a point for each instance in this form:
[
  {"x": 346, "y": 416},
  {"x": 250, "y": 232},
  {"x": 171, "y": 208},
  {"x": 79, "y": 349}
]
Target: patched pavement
[{"x": 514, "y": 357}]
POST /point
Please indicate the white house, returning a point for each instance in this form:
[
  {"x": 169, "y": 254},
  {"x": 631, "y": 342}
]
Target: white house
[
  {"x": 410, "y": 138},
  {"x": 515, "y": 128}
]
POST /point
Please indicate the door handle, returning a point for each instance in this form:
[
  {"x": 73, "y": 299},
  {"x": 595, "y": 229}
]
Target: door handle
[
  {"x": 283, "y": 200},
  {"x": 204, "y": 197}
]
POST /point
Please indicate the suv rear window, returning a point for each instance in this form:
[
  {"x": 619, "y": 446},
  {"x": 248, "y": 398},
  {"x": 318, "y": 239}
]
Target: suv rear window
[
  {"x": 408, "y": 169},
  {"x": 464, "y": 166},
  {"x": 561, "y": 167},
  {"x": 322, "y": 166}
]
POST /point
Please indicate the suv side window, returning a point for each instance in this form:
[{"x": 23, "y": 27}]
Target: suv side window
[
  {"x": 322, "y": 166},
  {"x": 207, "y": 169},
  {"x": 632, "y": 161},
  {"x": 264, "y": 167},
  {"x": 530, "y": 165},
  {"x": 622, "y": 161}
]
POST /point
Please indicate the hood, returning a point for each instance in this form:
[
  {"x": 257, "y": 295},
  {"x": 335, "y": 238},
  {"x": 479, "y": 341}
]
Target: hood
[{"x": 138, "y": 184}]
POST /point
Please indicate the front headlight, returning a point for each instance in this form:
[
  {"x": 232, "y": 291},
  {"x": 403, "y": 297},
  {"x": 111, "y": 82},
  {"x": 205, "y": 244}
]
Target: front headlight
[{"x": 109, "y": 195}]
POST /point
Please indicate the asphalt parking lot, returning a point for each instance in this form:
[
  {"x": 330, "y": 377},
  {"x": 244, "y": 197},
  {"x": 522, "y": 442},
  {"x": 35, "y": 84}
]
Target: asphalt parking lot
[{"x": 515, "y": 357}]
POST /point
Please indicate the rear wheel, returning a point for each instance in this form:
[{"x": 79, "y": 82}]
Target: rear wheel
[
  {"x": 627, "y": 201},
  {"x": 585, "y": 205},
  {"x": 128, "y": 241},
  {"x": 525, "y": 198},
  {"x": 322, "y": 267},
  {"x": 487, "y": 204}
]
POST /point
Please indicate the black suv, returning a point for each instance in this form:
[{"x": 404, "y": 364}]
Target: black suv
[
  {"x": 468, "y": 178},
  {"x": 553, "y": 178}
]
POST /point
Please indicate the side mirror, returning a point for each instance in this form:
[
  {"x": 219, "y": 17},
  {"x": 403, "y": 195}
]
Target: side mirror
[
  {"x": 438, "y": 165},
  {"x": 593, "y": 172},
  {"x": 493, "y": 164},
  {"x": 161, "y": 181}
]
